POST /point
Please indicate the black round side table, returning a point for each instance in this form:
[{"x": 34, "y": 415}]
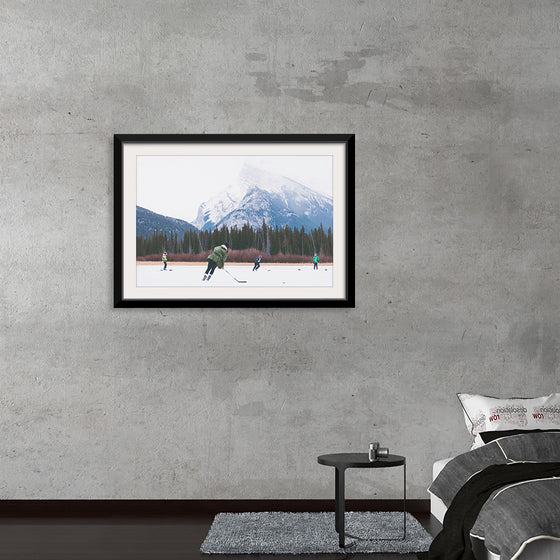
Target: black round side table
[{"x": 343, "y": 461}]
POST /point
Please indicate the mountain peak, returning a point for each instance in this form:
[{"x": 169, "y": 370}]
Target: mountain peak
[{"x": 262, "y": 195}]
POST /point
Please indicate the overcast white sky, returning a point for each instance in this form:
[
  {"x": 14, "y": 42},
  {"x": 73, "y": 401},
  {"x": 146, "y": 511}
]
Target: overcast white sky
[{"x": 176, "y": 185}]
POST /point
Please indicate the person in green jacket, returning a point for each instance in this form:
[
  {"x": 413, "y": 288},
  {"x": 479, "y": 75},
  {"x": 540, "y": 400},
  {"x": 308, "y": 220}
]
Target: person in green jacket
[
  {"x": 216, "y": 259},
  {"x": 315, "y": 262}
]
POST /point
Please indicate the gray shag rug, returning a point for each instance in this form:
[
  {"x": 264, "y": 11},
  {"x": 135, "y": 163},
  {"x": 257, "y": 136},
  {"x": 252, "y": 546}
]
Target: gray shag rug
[{"x": 278, "y": 532}]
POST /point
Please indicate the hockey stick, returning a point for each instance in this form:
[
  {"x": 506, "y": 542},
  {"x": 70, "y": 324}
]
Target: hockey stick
[{"x": 240, "y": 281}]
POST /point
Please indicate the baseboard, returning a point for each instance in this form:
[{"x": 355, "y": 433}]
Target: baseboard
[{"x": 178, "y": 508}]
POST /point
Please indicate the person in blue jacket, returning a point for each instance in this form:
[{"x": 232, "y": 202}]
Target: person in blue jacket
[
  {"x": 257, "y": 263},
  {"x": 216, "y": 259}
]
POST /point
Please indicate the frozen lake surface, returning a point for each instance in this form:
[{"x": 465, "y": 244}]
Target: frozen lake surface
[{"x": 183, "y": 275}]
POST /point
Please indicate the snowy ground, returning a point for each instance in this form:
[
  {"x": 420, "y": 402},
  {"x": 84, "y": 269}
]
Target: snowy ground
[{"x": 180, "y": 275}]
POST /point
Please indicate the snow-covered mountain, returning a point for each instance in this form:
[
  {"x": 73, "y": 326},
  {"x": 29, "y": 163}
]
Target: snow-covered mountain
[
  {"x": 259, "y": 195},
  {"x": 218, "y": 206},
  {"x": 148, "y": 222}
]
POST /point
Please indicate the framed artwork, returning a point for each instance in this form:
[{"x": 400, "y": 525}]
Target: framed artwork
[{"x": 234, "y": 220}]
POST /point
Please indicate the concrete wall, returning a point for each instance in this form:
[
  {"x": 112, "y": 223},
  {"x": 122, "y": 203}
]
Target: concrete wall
[{"x": 455, "y": 110}]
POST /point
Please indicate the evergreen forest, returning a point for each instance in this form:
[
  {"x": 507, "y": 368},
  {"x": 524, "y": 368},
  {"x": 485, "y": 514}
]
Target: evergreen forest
[{"x": 272, "y": 242}]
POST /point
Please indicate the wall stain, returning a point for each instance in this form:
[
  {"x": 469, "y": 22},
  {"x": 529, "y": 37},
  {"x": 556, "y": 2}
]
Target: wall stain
[
  {"x": 419, "y": 86},
  {"x": 540, "y": 342},
  {"x": 328, "y": 83},
  {"x": 255, "y": 56},
  {"x": 266, "y": 83}
]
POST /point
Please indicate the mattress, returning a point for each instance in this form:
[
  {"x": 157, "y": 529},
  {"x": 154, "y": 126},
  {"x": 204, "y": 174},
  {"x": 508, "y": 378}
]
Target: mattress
[{"x": 437, "y": 507}]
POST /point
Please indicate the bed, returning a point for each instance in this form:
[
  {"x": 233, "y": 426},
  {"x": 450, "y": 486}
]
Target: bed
[{"x": 501, "y": 499}]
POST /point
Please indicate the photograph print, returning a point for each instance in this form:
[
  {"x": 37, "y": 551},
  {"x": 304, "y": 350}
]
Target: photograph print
[{"x": 234, "y": 220}]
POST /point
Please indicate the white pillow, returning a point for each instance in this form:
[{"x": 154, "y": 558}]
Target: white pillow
[{"x": 483, "y": 414}]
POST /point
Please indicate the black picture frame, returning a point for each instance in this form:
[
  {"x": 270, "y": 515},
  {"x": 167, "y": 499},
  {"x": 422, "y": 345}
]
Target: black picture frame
[{"x": 138, "y": 158}]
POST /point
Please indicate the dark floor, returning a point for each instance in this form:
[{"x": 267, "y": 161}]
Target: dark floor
[{"x": 135, "y": 539}]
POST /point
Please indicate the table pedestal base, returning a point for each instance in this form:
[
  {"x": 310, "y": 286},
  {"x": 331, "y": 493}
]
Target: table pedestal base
[{"x": 339, "y": 508}]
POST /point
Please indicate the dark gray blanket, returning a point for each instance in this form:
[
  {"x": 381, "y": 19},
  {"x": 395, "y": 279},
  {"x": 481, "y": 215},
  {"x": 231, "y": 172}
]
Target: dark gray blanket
[
  {"x": 454, "y": 542},
  {"x": 516, "y": 512}
]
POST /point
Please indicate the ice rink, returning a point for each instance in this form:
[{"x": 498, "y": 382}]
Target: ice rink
[{"x": 181, "y": 275}]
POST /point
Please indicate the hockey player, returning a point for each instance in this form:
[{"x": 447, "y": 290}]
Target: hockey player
[
  {"x": 164, "y": 260},
  {"x": 257, "y": 263},
  {"x": 216, "y": 259},
  {"x": 315, "y": 262}
]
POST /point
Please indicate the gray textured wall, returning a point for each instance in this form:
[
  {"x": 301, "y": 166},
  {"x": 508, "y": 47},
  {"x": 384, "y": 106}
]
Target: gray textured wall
[{"x": 455, "y": 110}]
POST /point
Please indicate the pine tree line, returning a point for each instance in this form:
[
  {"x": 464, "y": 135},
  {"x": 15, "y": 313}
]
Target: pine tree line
[{"x": 267, "y": 240}]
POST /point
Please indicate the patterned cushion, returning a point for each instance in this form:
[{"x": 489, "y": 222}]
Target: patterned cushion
[{"x": 483, "y": 414}]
